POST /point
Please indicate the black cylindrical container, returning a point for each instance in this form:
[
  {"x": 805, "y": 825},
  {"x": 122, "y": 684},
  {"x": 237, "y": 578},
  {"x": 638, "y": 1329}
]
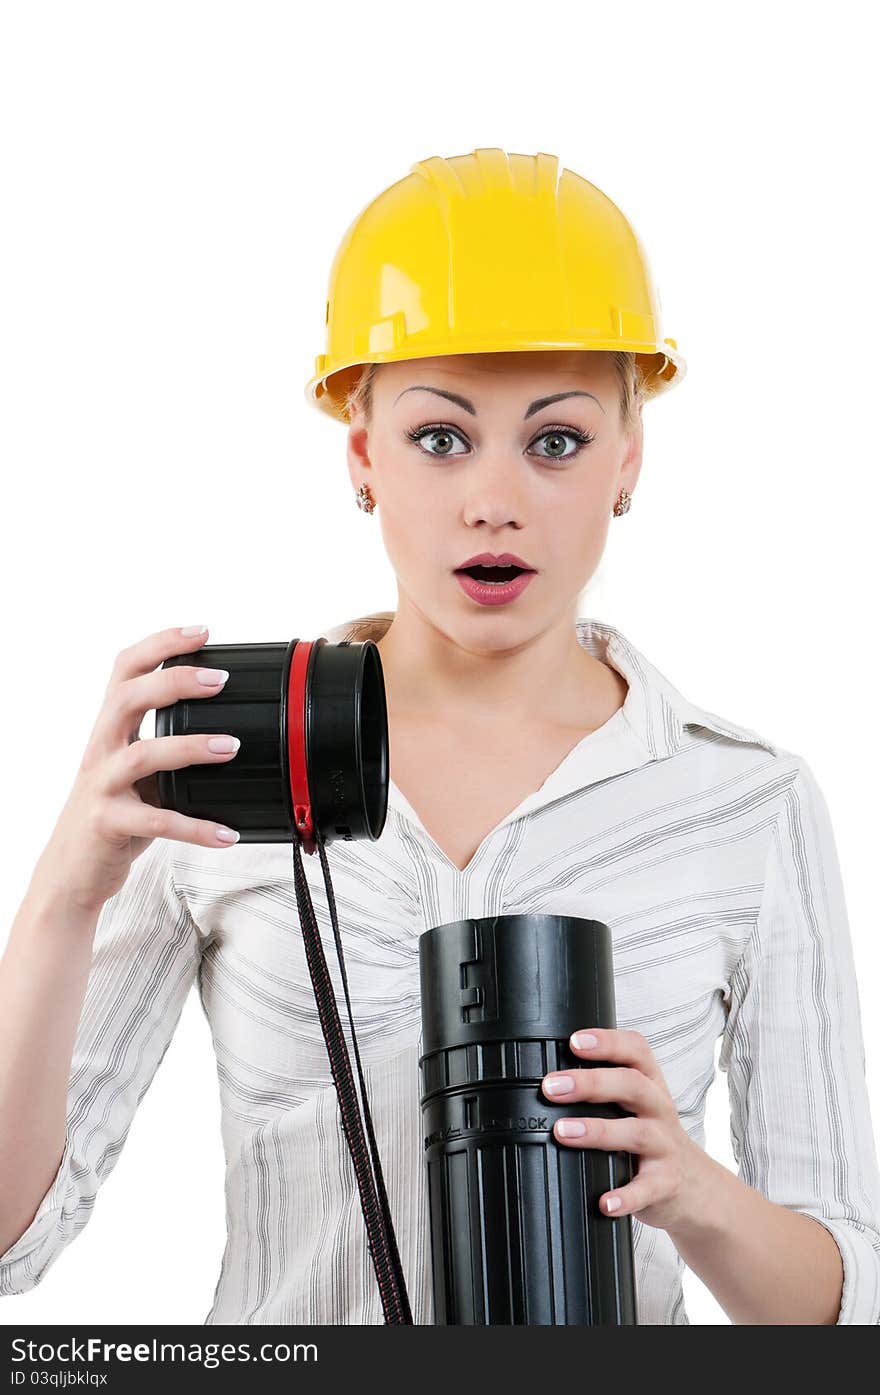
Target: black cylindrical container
[
  {"x": 322, "y": 701},
  {"x": 517, "y": 1236}
]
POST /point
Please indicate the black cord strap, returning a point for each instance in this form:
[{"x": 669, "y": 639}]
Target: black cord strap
[{"x": 374, "y": 1199}]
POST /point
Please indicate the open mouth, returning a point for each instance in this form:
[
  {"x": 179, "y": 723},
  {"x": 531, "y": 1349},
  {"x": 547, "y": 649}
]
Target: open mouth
[{"x": 493, "y": 574}]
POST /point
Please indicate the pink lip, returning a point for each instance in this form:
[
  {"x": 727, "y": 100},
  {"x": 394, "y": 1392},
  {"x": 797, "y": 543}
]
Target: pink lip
[
  {"x": 504, "y": 559},
  {"x": 487, "y": 594}
]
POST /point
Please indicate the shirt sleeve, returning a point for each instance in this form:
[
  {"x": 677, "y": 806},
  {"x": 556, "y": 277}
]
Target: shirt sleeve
[
  {"x": 145, "y": 956},
  {"x": 793, "y": 1050}
]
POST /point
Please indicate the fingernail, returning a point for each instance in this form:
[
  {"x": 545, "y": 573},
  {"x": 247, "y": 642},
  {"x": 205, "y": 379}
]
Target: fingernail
[
  {"x": 583, "y": 1040},
  {"x": 570, "y": 1128},
  {"x": 224, "y": 744},
  {"x": 613, "y": 1203},
  {"x": 560, "y": 1085},
  {"x": 195, "y": 630}
]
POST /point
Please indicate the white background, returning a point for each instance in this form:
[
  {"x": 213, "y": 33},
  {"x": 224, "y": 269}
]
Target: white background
[{"x": 175, "y": 180}]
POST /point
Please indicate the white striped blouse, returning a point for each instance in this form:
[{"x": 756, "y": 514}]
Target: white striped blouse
[{"x": 705, "y": 848}]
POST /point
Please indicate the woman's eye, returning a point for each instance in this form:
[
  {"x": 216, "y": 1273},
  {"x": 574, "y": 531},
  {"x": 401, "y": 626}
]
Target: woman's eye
[
  {"x": 445, "y": 437},
  {"x": 556, "y": 438}
]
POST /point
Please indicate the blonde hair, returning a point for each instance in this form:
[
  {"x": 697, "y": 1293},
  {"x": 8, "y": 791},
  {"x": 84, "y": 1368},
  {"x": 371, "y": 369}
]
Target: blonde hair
[
  {"x": 633, "y": 391},
  {"x": 365, "y": 627}
]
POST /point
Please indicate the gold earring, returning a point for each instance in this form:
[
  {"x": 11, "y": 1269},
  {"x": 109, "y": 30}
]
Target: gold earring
[
  {"x": 623, "y": 503},
  {"x": 365, "y": 500}
]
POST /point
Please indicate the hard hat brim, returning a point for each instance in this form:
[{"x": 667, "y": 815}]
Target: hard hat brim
[{"x": 662, "y": 369}]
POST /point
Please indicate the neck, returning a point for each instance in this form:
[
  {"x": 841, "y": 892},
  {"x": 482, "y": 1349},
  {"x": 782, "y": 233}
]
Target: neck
[{"x": 478, "y": 677}]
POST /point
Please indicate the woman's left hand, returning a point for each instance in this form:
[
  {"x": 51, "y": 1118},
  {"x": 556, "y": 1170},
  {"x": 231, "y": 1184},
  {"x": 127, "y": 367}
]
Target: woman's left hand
[{"x": 668, "y": 1161}]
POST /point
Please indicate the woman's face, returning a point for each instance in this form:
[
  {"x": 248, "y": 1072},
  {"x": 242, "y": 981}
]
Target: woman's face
[{"x": 495, "y": 467}]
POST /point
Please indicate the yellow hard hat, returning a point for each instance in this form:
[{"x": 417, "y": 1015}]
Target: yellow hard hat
[{"x": 486, "y": 252}]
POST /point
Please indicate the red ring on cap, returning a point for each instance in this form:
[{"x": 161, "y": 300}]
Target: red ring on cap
[{"x": 296, "y": 744}]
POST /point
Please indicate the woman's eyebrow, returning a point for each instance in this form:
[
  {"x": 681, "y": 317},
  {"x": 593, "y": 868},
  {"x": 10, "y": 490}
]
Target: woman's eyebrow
[{"x": 533, "y": 407}]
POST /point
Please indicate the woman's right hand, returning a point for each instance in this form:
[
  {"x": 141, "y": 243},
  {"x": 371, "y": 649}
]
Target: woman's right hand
[{"x": 112, "y": 813}]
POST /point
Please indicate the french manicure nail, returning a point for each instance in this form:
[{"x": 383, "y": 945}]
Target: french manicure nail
[
  {"x": 561, "y": 1085},
  {"x": 570, "y": 1128}
]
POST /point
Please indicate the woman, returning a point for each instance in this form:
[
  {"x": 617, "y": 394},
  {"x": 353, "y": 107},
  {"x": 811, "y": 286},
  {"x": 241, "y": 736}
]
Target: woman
[{"x": 492, "y": 335}]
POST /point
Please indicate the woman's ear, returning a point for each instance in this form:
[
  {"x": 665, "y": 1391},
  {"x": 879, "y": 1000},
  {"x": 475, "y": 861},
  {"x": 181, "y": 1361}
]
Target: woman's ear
[
  {"x": 357, "y": 449},
  {"x": 631, "y": 465}
]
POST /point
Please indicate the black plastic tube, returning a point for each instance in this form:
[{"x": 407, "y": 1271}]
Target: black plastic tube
[{"x": 517, "y": 1236}]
